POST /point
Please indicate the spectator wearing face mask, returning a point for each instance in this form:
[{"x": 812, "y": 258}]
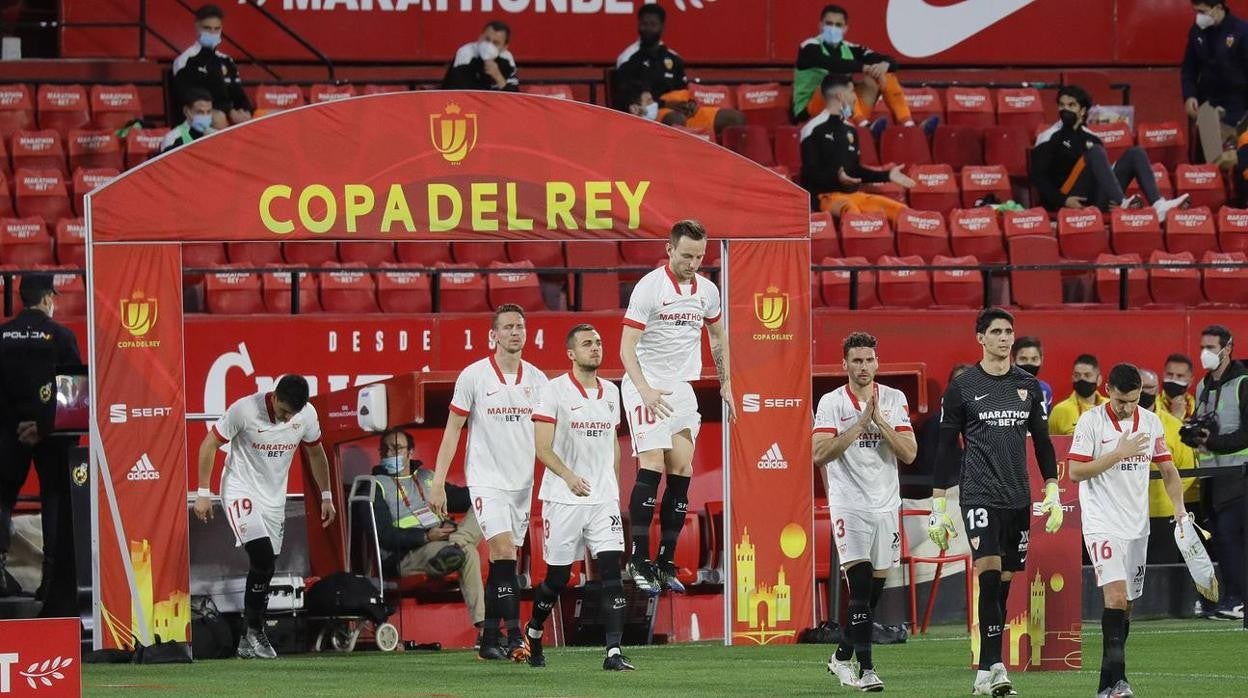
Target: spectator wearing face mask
[
  {"x": 1215, "y": 63},
  {"x": 1160, "y": 508},
  {"x": 1085, "y": 380},
  {"x": 1070, "y": 167},
  {"x": 640, "y": 102},
  {"x": 1028, "y": 354},
  {"x": 830, "y": 54},
  {"x": 484, "y": 64},
  {"x": 1176, "y": 383},
  {"x": 198, "y": 111},
  {"x": 831, "y": 169},
  {"x": 203, "y": 67}
]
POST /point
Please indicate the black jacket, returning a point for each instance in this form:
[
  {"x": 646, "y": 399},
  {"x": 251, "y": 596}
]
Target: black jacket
[
  {"x": 659, "y": 68},
  {"x": 1057, "y": 152},
  {"x": 1228, "y": 487},
  {"x": 1215, "y": 65},
  {"x": 467, "y": 71},
  {"x": 828, "y": 146},
  {"x": 212, "y": 71},
  {"x": 32, "y": 346},
  {"x": 395, "y": 541}
]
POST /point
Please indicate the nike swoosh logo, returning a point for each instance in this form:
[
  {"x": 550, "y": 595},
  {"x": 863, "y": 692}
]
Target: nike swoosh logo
[
  {"x": 981, "y": 397},
  {"x": 576, "y": 408},
  {"x": 1108, "y": 441},
  {"x": 667, "y": 303},
  {"x": 919, "y": 29},
  {"x": 493, "y": 393},
  {"x": 618, "y": 606}
]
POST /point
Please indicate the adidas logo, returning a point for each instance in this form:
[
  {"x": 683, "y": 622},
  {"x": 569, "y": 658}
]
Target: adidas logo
[
  {"x": 773, "y": 459},
  {"x": 143, "y": 470}
]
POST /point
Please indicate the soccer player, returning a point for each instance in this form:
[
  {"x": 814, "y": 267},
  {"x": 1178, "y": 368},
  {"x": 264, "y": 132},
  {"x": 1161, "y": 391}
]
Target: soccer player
[
  {"x": 263, "y": 431},
  {"x": 494, "y": 397},
  {"x": 993, "y": 407},
  {"x": 1111, "y": 452},
  {"x": 661, "y": 351},
  {"x": 574, "y": 426},
  {"x": 861, "y": 431}
]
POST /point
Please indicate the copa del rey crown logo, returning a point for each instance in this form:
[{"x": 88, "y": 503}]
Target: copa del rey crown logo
[
  {"x": 453, "y": 133},
  {"x": 138, "y": 313},
  {"x": 771, "y": 308}
]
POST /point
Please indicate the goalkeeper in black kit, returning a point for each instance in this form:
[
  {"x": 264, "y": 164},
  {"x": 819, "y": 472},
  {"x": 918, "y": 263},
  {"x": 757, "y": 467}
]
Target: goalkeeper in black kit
[{"x": 993, "y": 406}]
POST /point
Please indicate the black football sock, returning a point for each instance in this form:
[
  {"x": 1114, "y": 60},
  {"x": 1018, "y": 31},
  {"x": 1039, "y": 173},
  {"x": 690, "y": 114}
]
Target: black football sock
[
  {"x": 672, "y": 515},
  {"x": 641, "y": 511},
  {"x": 989, "y": 618},
  {"x": 1115, "y": 661},
  {"x": 547, "y": 596},
  {"x": 261, "y": 562},
  {"x": 614, "y": 603}
]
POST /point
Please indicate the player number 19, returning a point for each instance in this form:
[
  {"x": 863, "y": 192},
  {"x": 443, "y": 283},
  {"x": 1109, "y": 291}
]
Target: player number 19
[{"x": 242, "y": 507}]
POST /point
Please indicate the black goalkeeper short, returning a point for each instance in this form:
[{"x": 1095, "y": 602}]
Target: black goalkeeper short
[{"x": 1001, "y": 532}]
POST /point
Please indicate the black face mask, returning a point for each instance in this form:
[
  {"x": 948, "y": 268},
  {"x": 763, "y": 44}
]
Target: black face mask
[
  {"x": 1033, "y": 369},
  {"x": 649, "y": 41},
  {"x": 1173, "y": 389},
  {"x": 1069, "y": 118},
  {"x": 1147, "y": 400},
  {"x": 1084, "y": 389}
]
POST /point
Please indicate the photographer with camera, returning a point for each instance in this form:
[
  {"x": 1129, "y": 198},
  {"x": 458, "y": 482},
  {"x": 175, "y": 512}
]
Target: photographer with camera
[{"x": 1219, "y": 432}]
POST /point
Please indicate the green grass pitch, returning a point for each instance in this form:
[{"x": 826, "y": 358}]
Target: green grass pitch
[{"x": 1164, "y": 658}]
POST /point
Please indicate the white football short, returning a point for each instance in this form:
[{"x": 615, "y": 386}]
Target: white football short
[
  {"x": 867, "y": 535},
  {"x": 500, "y": 511},
  {"x": 567, "y": 528},
  {"x": 250, "y": 518},
  {"x": 1118, "y": 560},
  {"x": 648, "y": 431}
]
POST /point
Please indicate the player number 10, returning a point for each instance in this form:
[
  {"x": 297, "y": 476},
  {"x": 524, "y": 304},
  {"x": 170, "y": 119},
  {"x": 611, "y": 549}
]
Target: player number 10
[{"x": 640, "y": 411}]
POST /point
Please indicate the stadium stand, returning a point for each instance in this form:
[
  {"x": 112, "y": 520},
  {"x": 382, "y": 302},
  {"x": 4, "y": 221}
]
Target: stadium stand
[
  {"x": 956, "y": 288},
  {"x": 922, "y": 233},
  {"x": 975, "y": 232},
  {"x": 17, "y": 110}
]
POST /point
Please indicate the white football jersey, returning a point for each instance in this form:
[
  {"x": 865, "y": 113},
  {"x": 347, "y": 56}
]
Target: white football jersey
[
  {"x": 671, "y": 316},
  {"x": 261, "y": 448},
  {"x": 864, "y": 478},
  {"x": 585, "y": 438},
  {"x": 1116, "y": 501},
  {"x": 499, "y": 408}
]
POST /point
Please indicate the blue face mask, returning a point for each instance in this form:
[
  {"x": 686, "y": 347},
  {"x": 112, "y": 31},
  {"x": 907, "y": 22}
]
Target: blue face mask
[
  {"x": 392, "y": 465},
  {"x": 652, "y": 111},
  {"x": 209, "y": 40},
  {"x": 847, "y": 111},
  {"x": 201, "y": 122},
  {"x": 831, "y": 35}
]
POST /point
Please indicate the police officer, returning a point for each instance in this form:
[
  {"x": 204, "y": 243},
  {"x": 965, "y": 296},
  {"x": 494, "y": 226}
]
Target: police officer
[{"x": 32, "y": 346}]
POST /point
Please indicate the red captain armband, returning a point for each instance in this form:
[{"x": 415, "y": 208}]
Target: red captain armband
[
  {"x": 713, "y": 320},
  {"x": 459, "y": 411},
  {"x": 543, "y": 418},
  {"x": 628, "y": 322}
]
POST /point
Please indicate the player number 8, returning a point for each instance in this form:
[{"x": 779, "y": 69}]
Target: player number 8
[{"x": 976, "y": 518}]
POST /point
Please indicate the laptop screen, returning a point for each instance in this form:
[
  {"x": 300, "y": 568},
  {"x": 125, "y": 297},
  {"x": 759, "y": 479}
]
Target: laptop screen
[{"x": 73, "y": 399}]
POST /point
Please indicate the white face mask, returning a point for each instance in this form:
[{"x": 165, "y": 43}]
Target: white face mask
[
  {"x": 1209, "y": 360},
  {"x": 651, "y": 111},
  {"x": 1204, "y": 21},
  {"x": 487, "y": 50}
]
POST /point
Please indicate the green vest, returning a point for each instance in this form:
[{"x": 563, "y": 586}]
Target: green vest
[
  {"x": 184, "y": 133},
  {"x": 403, "y": 497},
  {"x": 1226, "y": 406},
  {"x": 807, "y": 80}
]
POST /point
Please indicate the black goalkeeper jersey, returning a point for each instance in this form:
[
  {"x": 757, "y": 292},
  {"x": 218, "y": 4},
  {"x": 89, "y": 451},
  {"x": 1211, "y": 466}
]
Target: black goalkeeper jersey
[{"x": 994, "y": 415}]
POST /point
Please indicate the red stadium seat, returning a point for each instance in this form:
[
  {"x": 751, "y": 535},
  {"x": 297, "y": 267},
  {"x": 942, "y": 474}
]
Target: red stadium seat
[
  {"x": 425, "y": 254},
  {"x": 198, "y": 255},
  {"x": 276, "y": 287},
  {"x": 42, "y": 193},
  {"x": 713, "y": 95},
  {"x": 765, "y": 104},
  {"x": 1191, "y": 230},
  {"x": 935, "y": 189},
  {"x": 1203, "y": 183},
  {"x": 641, "y": 253},
  {"x": 382, "y": 89},
  {"x": 231, "y": 292},
  {"x": 540, "y": 253},
  {"x": 1082, "y": 233},
  {"x": 1035, "y": 289},
  {"x": 6, "y": 197},
  {"x": 310, "y": 254},
  {"x": 1020, "y": 107},
  {"x": 1116, "y": 137},
  {"x": 1107, "y": 281},
  {"x": 1233, "y": 229},
  {"x": 1134, "y": 231},
  {"x": 71, "y": 242},
  {"x": 403, "y": 292},
  {"x": 1164, "y": 186},
  {"x": 904, "y": 288},
  {"x": 254, "y": 254},
  {"x": 38, "y": 150},
  {"x": 1176, "y": 284},
  {"x": 143, "y": 143},
  {"x": 788, "y": 148},
  {"x": 461, "y": 291},
  {"x": 866, "y": 235},
  {"x": 978, "y": 183},
  {"x": 17, "y": 110},
  {"x": 71, "y": 292},
  {"x": 346, "y": 288},
  {"x": 25, "y": 242},
  {"x": 368, "y": 253},
  {"x": 1032, "y": 221},
  {"x": 598, "y": 291},
  {"x": 1007, "y": 146},
  {"x": 922, "y": 233},
  {"x": 521, "y": 288},
  {"x": 975, "y": 232},
  {"x": 94, "y": 150},
  {"x": 957, "y": 288},
  {"x": 114, "y": 106},
  {"x": 868, "y": 151},
  {"x": 1226, "y": 284},
  {"x": 271, "y": 98},
  {"x": 329, "y": 93},
  {"x": 556, "y": 91},
  {"x": 86, "y": 181},
  {"x": 751, "y": 141},
  {"x": 924, "y": 102},
  {"x": 836, "y": 283},
  {"x": 1165, "y": 142},
  {"x": 958, "y": 146},
  {"x": 905, "y": 145},
  {"x": 823, "y": 241},
  {"x": 6, "y": 168},
  {"x": 63, "y": 107},
  {"x": 478, "y": 254},
  {"x": 969, "y": 106}
]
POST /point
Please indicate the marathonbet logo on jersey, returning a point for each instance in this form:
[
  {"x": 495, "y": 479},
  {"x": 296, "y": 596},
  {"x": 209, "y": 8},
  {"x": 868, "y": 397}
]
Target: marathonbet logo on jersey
[
  {"x": 143, "y": 469},
  {"x": 771, "y": 307},
  {"x": 773, "y": 459}
]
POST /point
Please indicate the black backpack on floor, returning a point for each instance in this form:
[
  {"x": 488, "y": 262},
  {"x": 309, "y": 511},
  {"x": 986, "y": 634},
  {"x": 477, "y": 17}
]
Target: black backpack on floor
[
  {"x": 211, "y": 637},
  {"x": 346, "y": 594}
]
